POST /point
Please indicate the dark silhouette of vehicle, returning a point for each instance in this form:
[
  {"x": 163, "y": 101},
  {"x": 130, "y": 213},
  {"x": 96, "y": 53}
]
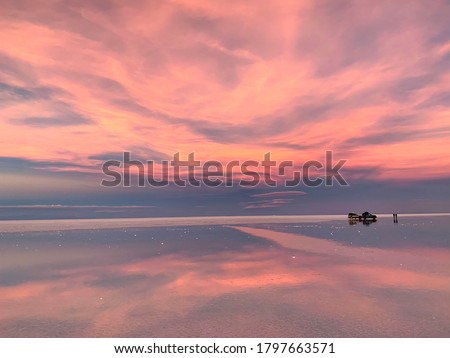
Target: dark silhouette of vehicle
[
  {"x": 368, "y": 216},
  {"x": 364, "y": 217},
  {"x": 353, "y": 216}
]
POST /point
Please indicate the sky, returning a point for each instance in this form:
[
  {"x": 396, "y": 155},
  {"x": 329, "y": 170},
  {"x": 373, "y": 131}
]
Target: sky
[{"x": 83, "y": 81}]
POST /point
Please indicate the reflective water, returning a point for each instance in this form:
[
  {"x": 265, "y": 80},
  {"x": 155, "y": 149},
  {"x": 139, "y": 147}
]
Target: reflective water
[{"x": 277, "y": 280}]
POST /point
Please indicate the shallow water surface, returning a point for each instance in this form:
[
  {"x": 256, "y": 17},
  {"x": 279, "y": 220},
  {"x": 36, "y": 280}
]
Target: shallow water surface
[{"x": 313, "y": 279}]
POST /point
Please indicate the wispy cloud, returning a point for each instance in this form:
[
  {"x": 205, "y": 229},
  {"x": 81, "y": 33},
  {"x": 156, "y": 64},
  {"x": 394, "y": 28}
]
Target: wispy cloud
[
  {"x": 264, "y": 204},
  {"x": 277, "y": 194},
  {"x": 229, "y": 81}
]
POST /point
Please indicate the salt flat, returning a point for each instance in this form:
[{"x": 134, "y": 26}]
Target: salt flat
[{"x": 82, "y": 224}]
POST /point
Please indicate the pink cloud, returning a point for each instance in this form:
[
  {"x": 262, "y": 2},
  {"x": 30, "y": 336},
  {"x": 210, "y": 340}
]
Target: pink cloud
[
  {"x": 230, "y": 81},
  {"x": 264, "y": 204}
]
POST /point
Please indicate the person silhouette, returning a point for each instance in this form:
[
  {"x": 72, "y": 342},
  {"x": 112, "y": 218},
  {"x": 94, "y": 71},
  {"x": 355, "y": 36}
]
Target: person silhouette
[{"x": 395, "y": 216}]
